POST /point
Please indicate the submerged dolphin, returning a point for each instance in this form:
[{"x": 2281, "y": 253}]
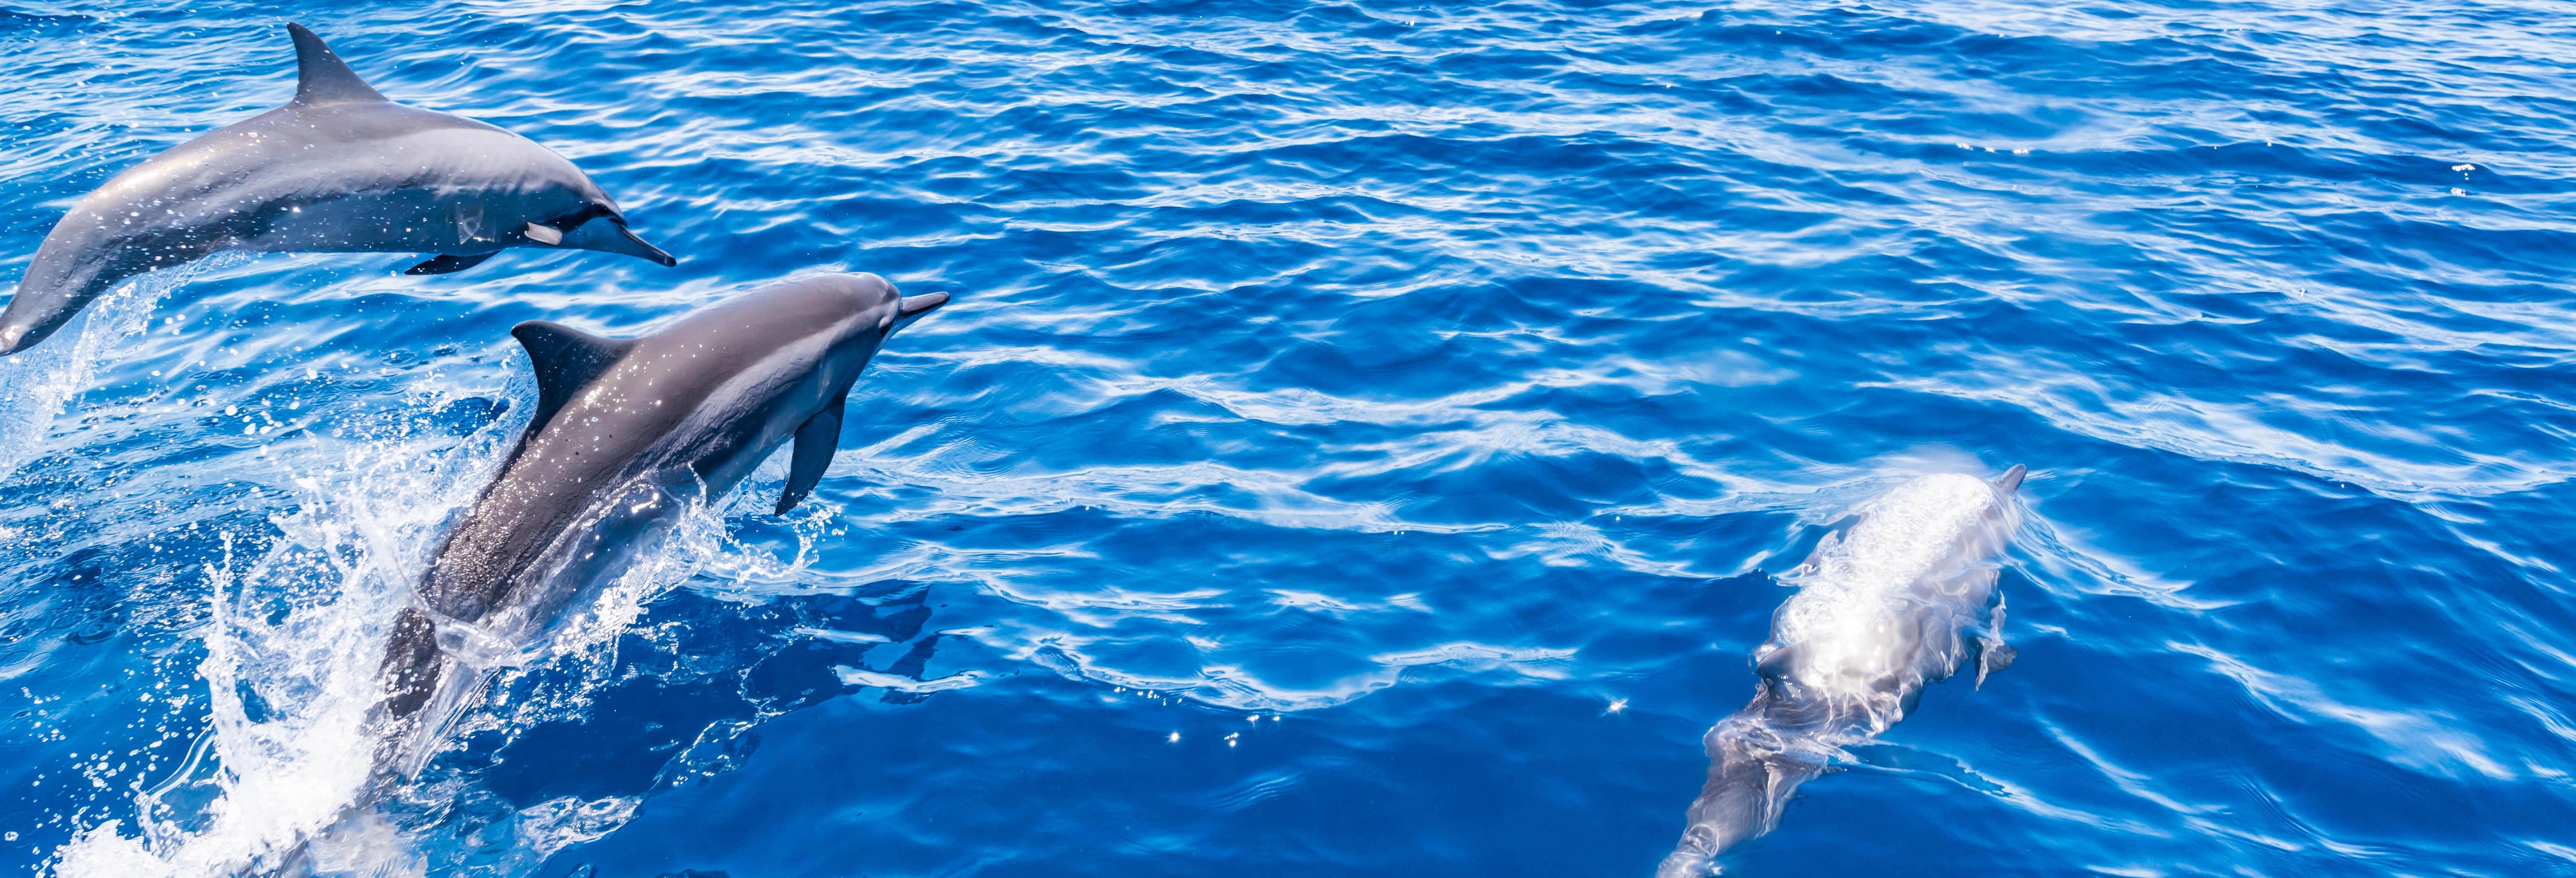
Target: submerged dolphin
[
  {"x": 627, "y": 433},
  {"x": 1878, "y": 613},
  {"x": 338, "y": 169}
]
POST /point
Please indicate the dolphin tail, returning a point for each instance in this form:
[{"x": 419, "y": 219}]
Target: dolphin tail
[
  {"x": 72, "y": 268},
  {"x": 18, "y": 334},
  {"x": 423, "y": 699},
  {"x": 1749, "y": 781}
]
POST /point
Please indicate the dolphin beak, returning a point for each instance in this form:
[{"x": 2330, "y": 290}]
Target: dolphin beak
[
  {"x": 609, "y": 234},
  {"x": 9, "y": 338},
  {"x": 912, "y": 307},
  {"x": 2011, "y": 480},
  {"x": 915, "y": 306}
]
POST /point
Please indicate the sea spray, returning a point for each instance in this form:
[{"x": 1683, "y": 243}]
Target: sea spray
[{"x": 35, "y": 385}]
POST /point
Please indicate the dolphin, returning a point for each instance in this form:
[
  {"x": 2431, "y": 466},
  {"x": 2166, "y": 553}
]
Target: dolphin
[
  {"x": 626, "y": 435},
  {"x": 1879, "y": 612},
  {"x": 338, "y": 169}
]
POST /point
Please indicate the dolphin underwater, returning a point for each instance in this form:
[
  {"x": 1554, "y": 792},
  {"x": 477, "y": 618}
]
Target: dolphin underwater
[
  {"x": 337, "y": 169},
  {"x": 1879, "y": 612}
]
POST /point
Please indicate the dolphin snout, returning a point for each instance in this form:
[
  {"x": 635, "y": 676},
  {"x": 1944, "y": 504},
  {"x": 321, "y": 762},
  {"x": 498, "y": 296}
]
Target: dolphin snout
[
  {"x": 608, "y": 234},
  {"x": 910, "y": 308},
  {"x": 915, "y": 306},
  {"x": 645, "y": 249}
]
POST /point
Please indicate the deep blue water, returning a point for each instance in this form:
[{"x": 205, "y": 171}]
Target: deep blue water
[{"x": 1371, "y": 396}]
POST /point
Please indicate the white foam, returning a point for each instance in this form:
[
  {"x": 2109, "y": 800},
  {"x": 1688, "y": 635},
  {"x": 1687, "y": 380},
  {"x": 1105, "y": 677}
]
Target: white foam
[
  {"x": 37, "y": 383},
  {"x": 342, "y": 563},
  {"x": 1852, "y": 618},
  {"x": 291, "y": 689}
]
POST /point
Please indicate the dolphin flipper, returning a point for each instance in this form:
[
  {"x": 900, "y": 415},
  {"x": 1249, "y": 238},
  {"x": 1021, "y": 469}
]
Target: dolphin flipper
[
  {"x": 1993, "y": 654},
  {"x": 815, "y": 443},
  {"x": 450, "y": 263},
  {"x": 566, "y": 360}
]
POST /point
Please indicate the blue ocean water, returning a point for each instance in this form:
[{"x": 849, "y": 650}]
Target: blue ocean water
[{"x": 1363, "y": 441}]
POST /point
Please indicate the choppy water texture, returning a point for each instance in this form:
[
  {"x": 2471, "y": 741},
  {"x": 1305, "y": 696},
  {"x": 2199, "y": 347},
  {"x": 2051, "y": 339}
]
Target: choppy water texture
[{"x": 1343, "y": 408}]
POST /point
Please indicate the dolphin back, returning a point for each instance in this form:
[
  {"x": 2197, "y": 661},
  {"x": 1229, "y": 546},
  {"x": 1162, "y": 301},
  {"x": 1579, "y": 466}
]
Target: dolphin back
[{"x": 1880, "y": 612}]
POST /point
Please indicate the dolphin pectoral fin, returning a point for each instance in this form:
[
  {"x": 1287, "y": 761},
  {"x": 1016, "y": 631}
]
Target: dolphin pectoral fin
[
  {"x": 320, "y": 76},
  {"x": 566, "y": 360},
  {"x": 450, "y": 263},
  {"x": 542, "y": 234},
  {"x": 1993, "y": 655},
  {"x": 815, "y": 443}
]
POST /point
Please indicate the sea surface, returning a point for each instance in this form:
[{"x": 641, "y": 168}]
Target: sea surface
[{"x": 1365, "y": 440}]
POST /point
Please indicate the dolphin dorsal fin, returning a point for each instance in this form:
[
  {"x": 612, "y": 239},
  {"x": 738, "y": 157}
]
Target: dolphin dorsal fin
[
  {"x": 566, "y": 360},
  {"x": 320, "y": 76},
  {"x": 2011, "y": 480}
]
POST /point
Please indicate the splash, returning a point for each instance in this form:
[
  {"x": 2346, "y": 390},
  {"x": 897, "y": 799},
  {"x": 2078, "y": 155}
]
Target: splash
[
  {"x": 289, "y": 664},
  {"x": 298, "y": 627},
  {"x": 36, "y": 384}
]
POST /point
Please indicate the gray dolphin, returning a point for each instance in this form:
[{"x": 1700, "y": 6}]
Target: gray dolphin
[
  {"x": 1880, "y": 611},
  {"x": 626, "y": 434},
  {"x": 338, "y": 169}
]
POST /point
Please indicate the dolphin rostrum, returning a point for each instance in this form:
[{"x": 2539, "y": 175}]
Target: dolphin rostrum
[
  {"x": 338, "y": 169},
  {"x": 627, "y": 434},
  {"x": 1879, "y": 612}
]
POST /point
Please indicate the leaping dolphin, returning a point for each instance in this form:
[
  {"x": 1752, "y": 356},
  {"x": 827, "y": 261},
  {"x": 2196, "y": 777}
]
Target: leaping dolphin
[
  {"x": 338, "y": 169},
  {"x": 627, "y": 433},
  {"x": 1879, "y": 612}
]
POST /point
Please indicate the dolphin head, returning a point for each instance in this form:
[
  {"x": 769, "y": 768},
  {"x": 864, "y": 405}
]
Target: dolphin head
[
  {"x": 875, "y": 308},
  {"x": 851, "y": 314}
]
